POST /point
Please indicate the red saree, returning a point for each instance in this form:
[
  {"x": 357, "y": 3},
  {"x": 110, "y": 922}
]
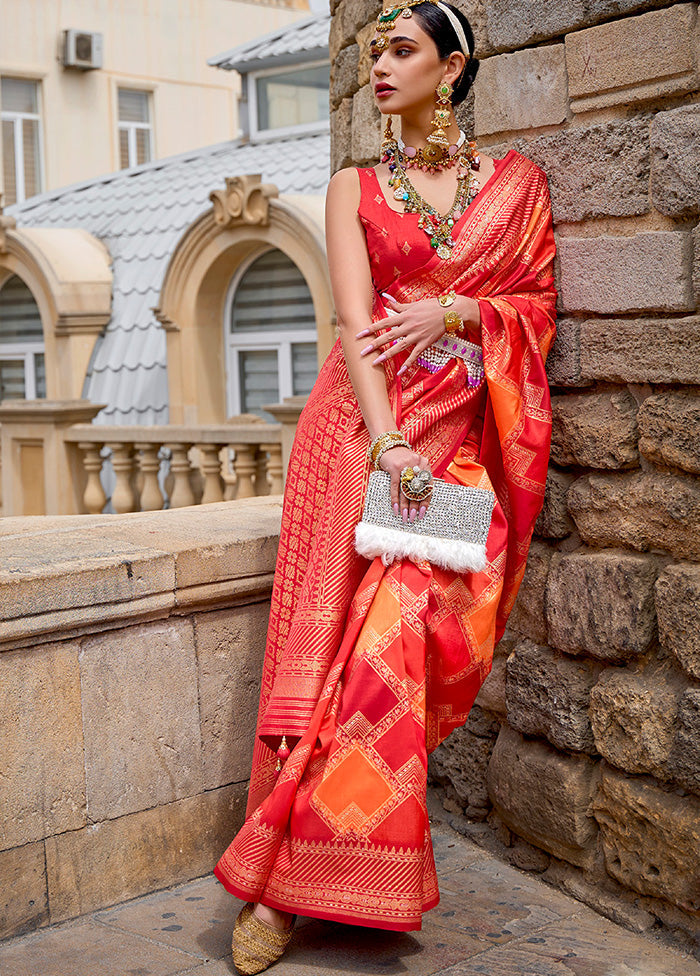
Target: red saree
[{"x": 368, "y": 667}]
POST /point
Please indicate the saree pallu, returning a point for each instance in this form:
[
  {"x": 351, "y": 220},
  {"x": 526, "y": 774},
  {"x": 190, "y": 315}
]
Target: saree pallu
[{"x": 367, "y": 667}]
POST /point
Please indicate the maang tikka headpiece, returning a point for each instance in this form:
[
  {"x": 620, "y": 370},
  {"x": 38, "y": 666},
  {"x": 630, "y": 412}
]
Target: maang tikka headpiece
[{"x": 386, "y": 22}]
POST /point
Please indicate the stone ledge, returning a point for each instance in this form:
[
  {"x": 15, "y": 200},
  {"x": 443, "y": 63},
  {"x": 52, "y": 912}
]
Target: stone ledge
[{"x": 75, "y": 575}]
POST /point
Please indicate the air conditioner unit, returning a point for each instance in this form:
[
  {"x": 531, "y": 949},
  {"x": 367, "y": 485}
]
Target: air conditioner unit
[{"x": 81, "y": 49}]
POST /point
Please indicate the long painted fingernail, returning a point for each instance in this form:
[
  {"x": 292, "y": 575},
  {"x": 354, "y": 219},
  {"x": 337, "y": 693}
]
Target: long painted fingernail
[
  {"x": 413, "y": 515},
  {"x": 366, "y": 350},
  {"x": 404, "y": 515},
  {"x": 379, "y": 359},
  {"x": 401, "y": 371},
  {"x": 396, "y": 508},
  {"x": 422, "y": 511},
  {"x": 361, "y": 335}
]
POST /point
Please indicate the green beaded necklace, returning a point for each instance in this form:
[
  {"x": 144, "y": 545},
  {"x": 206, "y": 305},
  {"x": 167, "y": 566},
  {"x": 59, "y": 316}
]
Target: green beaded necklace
[{"x": 436, "y": 225}]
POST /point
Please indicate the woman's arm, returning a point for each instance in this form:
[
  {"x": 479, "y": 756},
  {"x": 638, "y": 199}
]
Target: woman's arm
[{"x": 351, "y": 281}]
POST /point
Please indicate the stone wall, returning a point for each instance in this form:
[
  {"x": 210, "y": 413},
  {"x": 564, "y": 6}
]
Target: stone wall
[
  {"x": 131, "y": 649},
  {"x": 581, "y": 759}
]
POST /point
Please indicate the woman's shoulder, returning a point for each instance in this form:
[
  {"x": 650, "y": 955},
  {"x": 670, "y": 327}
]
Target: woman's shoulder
[{"x": 526, "y": 166}]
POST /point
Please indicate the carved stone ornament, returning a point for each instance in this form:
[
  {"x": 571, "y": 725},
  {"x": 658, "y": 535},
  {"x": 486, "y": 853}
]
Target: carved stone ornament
[
  {"x": 244, "y": 201},
  {"x": 6, "y": 223}
]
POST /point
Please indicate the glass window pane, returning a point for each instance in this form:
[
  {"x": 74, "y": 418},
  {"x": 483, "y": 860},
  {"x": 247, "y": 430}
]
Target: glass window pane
[
  {"x": 19, "y": 315},
  {"x": 304, "y": 367},
  {"x": 124, "y": 162},
  {"x": 143, "y": 145},
  {"x": 40, "y": 374},
  {"x": 18, "y": 95},
  {"x": 272, "y": 294},
  {"x": 258, "y": 379},
  {"x": 8, "y": 163},
  {"x": 133, "y": 105},
  {"x": 30, "y": 143},
  {"x": 11, "y": 379},
  {"x": 293, "y": 97}
]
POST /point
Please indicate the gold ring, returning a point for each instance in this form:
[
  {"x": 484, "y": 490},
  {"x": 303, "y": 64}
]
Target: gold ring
[{"x": 416, "y": 485}]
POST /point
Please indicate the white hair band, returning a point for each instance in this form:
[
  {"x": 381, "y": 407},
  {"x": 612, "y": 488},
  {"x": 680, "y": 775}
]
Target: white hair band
[{"x": 458, "y": 29}]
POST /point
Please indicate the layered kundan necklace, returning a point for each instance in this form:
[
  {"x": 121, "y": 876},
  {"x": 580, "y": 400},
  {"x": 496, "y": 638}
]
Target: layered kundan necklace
[{"x": 463, "y": 155}]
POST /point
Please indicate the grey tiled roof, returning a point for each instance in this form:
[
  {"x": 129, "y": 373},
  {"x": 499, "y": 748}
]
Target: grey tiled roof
[
  {"x": 283, "y": 46},
  {"x": 140, "y": 214}
]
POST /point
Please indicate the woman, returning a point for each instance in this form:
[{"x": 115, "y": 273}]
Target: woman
[{"x": 437, "y": 259}]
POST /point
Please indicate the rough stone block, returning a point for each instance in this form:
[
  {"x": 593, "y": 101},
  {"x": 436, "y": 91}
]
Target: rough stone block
[
  {"x": 119, "y": 859},
  {"x": 515, "y": 23},
  {"x": 42, "y": 769},
  {"x": 602, "y": 603},
  {"x": 626, "y": 274},
  {"x": 544, "y": 796},
  {"x": 460, "y": 765},
  {"x": 548, "y": 695},
  {"x": 696, "y": 265},
  {"x": 230, "y": 647},
  {"x": 633, "y": 717},
  {"x": 650, "y": 838},
  {"x": 677, "y": 594},
  {"x": 528, "y": 615},
  {"x": 675, "y": 174},
  {"x": 669, "y": 428},
  {"x": 344, "y": 75},
  {"x": 492, "y": 694},
  {"x": 524, "y": 90},
  {"x": 643, "y": 511},
  {"x": 641, "y": 350},
  {"x": 341, "y": 136},
  {"x": 23, "y": 899},
  {"x": 364, "y": 67},
  {"x": 141, "y": 719},
  {"x": 633, "y": 60},
  {"x": 564, "y": 359},
  {"x": 595, "y": 430},
  {"x": 554, "y": 521},
  {"x": 580, "y": 161},
  {"x": 684, "y": 760},
  {"x": 351, "y": 17},
  {"x": 366, "y": 127}
]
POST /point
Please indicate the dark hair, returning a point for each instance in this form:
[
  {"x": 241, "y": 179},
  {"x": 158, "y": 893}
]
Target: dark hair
[{"x": 438, "y": 27}]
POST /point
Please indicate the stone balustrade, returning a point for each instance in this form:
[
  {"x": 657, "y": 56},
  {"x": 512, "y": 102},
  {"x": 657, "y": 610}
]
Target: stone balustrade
[{"x": 174, "y": 466}]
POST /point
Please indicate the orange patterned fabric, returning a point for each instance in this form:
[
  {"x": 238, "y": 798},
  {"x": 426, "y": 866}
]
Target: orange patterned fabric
[{"x": 368, "y": 668}]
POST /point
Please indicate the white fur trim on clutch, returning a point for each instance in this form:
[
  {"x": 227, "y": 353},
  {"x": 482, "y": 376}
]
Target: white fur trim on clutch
[{"x": 391, "y": 544}]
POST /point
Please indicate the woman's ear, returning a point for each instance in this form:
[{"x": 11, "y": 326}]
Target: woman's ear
[{"x": 454, "y": 67}]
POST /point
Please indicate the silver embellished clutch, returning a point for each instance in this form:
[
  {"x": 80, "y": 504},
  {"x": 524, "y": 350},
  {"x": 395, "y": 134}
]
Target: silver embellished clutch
[{"x": 452, "y": 534}]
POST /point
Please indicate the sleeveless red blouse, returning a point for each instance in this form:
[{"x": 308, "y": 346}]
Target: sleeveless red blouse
[{"x": 395, "y": 243}]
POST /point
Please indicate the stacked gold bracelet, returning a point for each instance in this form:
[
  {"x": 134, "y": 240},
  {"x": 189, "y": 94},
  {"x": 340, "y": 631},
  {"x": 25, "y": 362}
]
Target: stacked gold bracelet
[{"x": 392, "y": 438}]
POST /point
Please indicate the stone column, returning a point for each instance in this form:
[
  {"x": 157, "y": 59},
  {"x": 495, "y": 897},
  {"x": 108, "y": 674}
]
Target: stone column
[
  {"x": 287, "y": 414},
  {"x": 41, "y": 473}
]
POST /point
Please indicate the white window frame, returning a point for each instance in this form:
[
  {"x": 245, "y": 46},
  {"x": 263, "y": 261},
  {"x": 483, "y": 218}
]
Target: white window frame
[
  {"x": 18, "y": 352},
  {"x": 131, "y": 127},
  {"x": 17, "y": 119},
  {"x": 280, "y": 341},
  {"x": 304, "y": 128}
]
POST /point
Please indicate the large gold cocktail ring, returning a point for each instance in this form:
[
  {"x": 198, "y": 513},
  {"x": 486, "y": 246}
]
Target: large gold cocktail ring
[{"x": 416, "y": 485}]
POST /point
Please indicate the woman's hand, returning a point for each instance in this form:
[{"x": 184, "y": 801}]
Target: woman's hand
[
  {"x": 394, "y": 461},
  {"x": 416, "y": 324}
]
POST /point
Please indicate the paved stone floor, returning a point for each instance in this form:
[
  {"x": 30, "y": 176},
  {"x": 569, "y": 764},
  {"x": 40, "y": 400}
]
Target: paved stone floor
[{"x": 492, "y": 920}]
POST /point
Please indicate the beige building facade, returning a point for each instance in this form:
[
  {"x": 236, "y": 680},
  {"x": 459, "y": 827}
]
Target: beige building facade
[{"x": 91, "y": 86}]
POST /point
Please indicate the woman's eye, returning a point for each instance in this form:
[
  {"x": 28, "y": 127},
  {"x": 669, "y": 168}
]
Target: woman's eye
[{"x": 403, "y": 50}]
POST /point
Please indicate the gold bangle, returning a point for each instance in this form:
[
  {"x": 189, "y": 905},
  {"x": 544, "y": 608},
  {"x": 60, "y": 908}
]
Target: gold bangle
[
  {"x": 382, "y": 443},
  {"x": 454, "y": 324}
]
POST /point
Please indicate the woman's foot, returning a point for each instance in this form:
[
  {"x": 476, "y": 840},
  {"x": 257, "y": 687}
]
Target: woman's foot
[
  {"x": 260, "y": 937},
  {"x": 278, "y": 920}
]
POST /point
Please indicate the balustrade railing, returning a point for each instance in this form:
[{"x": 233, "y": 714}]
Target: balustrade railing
[{"x": 132, "y": 469}]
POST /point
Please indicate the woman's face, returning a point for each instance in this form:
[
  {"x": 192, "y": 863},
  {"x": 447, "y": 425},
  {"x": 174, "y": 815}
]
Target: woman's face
[{"x": 406, "y": 74}]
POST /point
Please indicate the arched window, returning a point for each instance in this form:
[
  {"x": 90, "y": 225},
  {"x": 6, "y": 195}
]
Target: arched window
[
  {"x": 22, "y": 368},
  {"x": 271, "y": 335}
]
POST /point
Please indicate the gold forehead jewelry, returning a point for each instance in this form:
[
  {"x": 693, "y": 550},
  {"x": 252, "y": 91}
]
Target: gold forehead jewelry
[{"x": 386, "y": 22}]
